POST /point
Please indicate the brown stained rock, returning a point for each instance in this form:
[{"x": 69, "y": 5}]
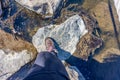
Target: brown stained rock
[
  {"x": 102, "y": 15},
  {"x": 91, "y": 41},
  {"x": 87, "y": 45},
  {"x": 7, "y": 41},
  {"x": 89, "y": 4},
  {"x": 90, "y": 22},
  {"x": 107, "y": 56}
]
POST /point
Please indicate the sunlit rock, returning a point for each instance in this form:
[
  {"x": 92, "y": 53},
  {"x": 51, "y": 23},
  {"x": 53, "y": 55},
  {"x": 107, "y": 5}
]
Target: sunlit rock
[
  {"x": 67, "y": 35},
  {"x": 46, "y": 8},
  {"x": 11, "y": 61}
]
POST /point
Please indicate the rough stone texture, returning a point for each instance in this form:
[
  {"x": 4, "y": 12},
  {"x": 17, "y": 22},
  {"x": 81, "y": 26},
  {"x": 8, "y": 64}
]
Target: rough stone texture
[
  {"x": 8, "y": 41},
  {"x": 106, "y": 25},
  {"x": 74, "y": 73},
  {"x": 11, "y": 61},
  {"x": 66, "y": 35},
  {"x": 43, "y": 7},
  {"x": 87, "y": 46}
]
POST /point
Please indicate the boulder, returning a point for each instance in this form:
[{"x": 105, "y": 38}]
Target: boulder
[
  {"x": 46, "y": 8},
  {"x": 87, "y": 46},
  {"x": 12, "y": 61},
  {"x": 67, "y": 35}
]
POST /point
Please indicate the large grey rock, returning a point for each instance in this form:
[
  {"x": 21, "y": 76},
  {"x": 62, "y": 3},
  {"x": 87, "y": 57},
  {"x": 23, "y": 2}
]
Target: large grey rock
[
  {"x": 67, "y": 35},
  {"x": 43, "y": 7},
  {"x": 11, "y": 61},
  {"x": 74, "y": 73}
]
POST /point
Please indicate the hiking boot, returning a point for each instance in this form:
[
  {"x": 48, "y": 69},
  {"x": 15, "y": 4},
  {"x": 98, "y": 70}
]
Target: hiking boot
[{"x": 50, "y": 45}]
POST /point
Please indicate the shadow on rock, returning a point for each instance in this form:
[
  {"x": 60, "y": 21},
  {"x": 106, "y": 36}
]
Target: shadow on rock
[
  {"x": 21, "y": 26},
  {"x": 21, "y": 73},
  {"x": 94, "y": 70},
  {"x": 109, "y": 69},
  {"x": 9, "y": 8},
  {"x": 80, "y": 2}
]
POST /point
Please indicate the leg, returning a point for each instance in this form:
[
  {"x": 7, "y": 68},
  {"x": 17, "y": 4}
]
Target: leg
[{"x": 48, "y": 66}]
